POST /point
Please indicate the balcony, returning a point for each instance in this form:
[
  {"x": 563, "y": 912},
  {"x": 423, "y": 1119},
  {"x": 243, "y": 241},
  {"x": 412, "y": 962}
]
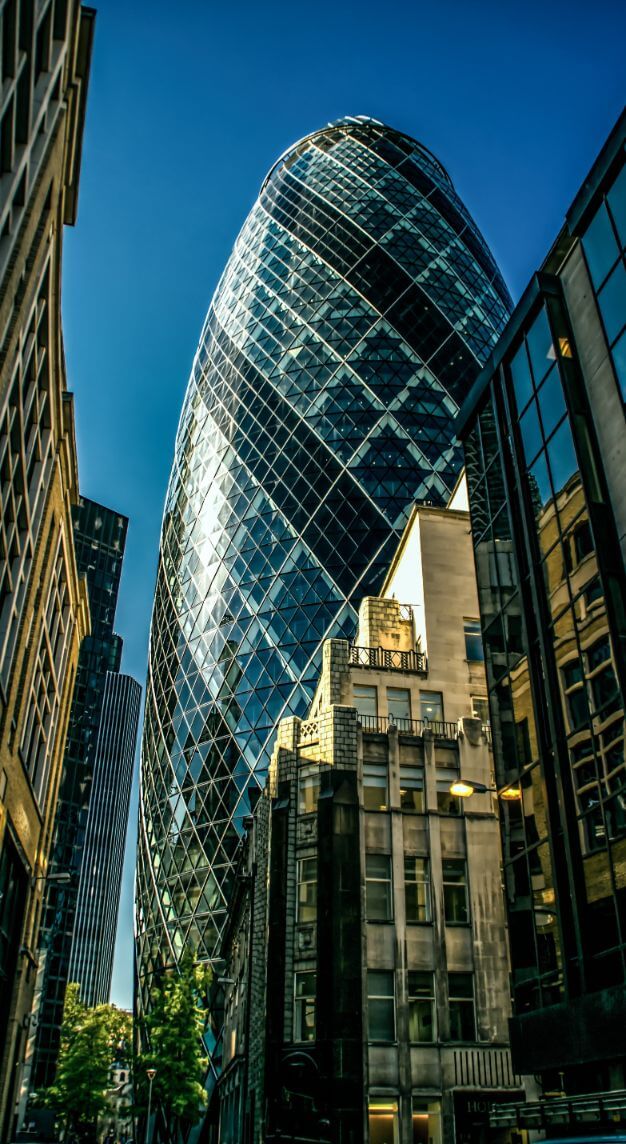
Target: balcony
[
  {"x": 381, "y": 724},
  {"x": 388, "y": 659}
]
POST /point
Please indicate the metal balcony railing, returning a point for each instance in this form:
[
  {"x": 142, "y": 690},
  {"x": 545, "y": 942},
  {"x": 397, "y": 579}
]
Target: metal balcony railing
[
  {"x": 380, "y": 724},
  {"x": 388, "y": 659}
]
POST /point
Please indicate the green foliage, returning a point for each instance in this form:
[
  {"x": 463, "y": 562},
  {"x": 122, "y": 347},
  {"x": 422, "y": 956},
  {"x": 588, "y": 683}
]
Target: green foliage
[
  {"x": 174, "y": 1028},
  {"x": 91, "y": 1040}
]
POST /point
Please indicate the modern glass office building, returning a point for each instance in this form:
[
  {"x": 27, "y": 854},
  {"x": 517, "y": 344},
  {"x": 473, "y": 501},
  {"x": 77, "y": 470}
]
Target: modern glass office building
[
  {"x": 351, "y": 319},
  {"x": 545, "y": 441}
]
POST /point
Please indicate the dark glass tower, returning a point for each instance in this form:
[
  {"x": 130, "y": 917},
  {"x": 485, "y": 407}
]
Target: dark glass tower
[
  {"x": 95, "y": 928},
  {"x": 99, "y": 540},
  {"x": 351, "y": 319}
]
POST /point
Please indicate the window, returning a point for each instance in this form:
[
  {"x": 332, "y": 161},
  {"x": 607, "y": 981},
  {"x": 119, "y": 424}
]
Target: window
[
  {"x": 381, "y": 1005},
  {"x": 304, "y": 1006},
  {"x": 306, "y": 910},
  {"x": 375, "y": 786},
  {"x": 399, "y": 707},
  {"x": 473, "y": 641},
  {"x": 447, "y": 803},
  {"x": 382, "y": 1119},
  {"x": 461, "y": 1007},
  {"x": 378, "y": 898},
  {"x": 421, "y": 998},
  {"x": 417, "y": 889},
  {"x": 412, "y": 789},
  {"x": 308, "y": 793},
  {"x": 426, "y": 1121},
  {"x": 366, "y": 699},
  {"x": 480, "y": 708},
  {"x": 431, "y": 706},
  {"x": 455, "y": 903}
]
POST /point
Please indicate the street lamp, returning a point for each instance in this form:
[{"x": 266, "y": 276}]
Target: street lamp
[
  {"x": 465, "y": 788},
  {"x": 150, "y": 1073}
]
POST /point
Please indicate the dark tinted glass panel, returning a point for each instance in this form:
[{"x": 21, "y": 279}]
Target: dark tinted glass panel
[{"x": 600, "y": 247}]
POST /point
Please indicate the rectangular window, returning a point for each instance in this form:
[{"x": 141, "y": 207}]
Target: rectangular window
[
  {"x": 307, "y": 890},
  {"x": 399, "y": 707},
  {"x": 447, "y": 803},
  {"x": 304, "y": 1006},
  {"x": 412, "y": 789},
  {"x": 480, "y": 708},
  {"x": 382, "y": 1119},
  {"x": 461, "y": 1007},
  {"x": 417, "y": 889},
  {"x": 426, "y": 1121},
  {"x": 378, "y": 897},
  {"x": 455, "y": 901},
  {"x": 431, "y": 706},
  {"x": 366, "y": 699},
  {"x": 381, "y": 1005},
  {"x": 308, "y": 793},
  {"x": 375, "y": 796},
  {"x": 473, "y": 641},
  {"x": 421, "y": 999}
]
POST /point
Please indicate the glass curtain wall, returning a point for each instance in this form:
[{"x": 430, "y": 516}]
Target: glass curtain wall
[{"x": 350, "y": 321}]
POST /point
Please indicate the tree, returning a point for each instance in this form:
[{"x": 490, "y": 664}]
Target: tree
[
  {"x": 91, "y": 1040},
  {"x": 173, "y": 1029}
]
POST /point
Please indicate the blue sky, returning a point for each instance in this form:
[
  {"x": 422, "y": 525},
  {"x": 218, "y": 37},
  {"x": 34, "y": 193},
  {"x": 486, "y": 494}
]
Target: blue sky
[{"x": 189, "y": 105}]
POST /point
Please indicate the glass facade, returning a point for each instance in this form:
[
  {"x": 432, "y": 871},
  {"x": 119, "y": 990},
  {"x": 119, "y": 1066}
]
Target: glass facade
[
  {"x": 553, "y": 592},
  {"x": 349, "y": 323}
]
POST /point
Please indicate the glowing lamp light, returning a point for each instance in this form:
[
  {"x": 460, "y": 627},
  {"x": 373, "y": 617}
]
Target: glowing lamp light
[
  {"x": 462, "y": 789},
  {"x": 511, "y": 794}
]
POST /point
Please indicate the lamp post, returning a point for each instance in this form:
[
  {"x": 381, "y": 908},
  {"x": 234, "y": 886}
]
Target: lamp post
[
  {"x": 150, "y": 1073},
  {"x": 465, "y": 788}
]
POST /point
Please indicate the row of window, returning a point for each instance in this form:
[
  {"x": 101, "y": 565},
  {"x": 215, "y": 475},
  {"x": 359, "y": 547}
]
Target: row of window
[
  {"x": 382, "y": 1006},
  {"x": 376, "y": 789},
  {"x": 399, "y": 707},
  {"x": 379, "y": 889}
]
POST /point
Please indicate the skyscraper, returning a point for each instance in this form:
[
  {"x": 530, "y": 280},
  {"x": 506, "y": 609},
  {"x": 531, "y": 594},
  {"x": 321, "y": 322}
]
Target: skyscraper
[
  {"x": 99, "y": 539},
  {"x": 44, "y": 73},
  {"x": 350, "y": 321},
  {"x": 95, "y": 928},
  {"x": 545, "y": 441}
]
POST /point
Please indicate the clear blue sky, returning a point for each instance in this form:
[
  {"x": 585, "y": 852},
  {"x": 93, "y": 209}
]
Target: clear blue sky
[{"x": 189, "y": 105}]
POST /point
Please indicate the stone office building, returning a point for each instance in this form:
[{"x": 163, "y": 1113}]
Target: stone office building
[
  {"x": 366, "y": 975},
  {"x": 44, "y": 614},
  {"x": 545, "y": 440}
]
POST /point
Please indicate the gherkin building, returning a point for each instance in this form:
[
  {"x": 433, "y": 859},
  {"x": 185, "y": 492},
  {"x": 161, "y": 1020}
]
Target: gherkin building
[{"x": 351, "y": 319}]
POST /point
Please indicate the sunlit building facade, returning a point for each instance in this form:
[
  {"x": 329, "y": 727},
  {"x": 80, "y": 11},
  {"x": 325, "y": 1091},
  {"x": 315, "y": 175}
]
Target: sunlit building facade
[
  {"x": 545, "y": 441},
  {"x": 351, "y": 319}
]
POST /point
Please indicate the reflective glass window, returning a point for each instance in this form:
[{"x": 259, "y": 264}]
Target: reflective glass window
[
  {"x": 455, "y": 897},
  {"x": 366, "y": 699},
  {"x": 521, "y": 377},
  {"x": 375, "y": 786},
  {"x": 306, "y": 908},
  {"x": 540, "y": 347},
  {"x": 531, "y": 431},
  {"x": 417, "y": 889},
  {"x": 473, "y": 641},
  {"x": 304, "y": 1006},
  {"x": 431, "y": 706},
  {"x": 618, "y": 354},
  {"x": 399, "y": 706},
  {"x": 551, "y": 402},
  {"x": 381, "y": 1005},
  {"x": 425, "y": 1121},
  {"x": 562, "y": 457},
  {"x": 600, "y": 247},
  {"x": 421, "y": 1002},
  {"x": 378, "y": 893},
  {"x": 617, "y": 204},
  {"x": 461, "y": 1007},
  {"x": 308, "y": 792},
  {"x": 412, "y": 789},
  {"x": 612, "y": 302}
]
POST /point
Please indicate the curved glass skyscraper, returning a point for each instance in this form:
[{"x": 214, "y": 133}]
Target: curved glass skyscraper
[{"x": 351, "y": 319}]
